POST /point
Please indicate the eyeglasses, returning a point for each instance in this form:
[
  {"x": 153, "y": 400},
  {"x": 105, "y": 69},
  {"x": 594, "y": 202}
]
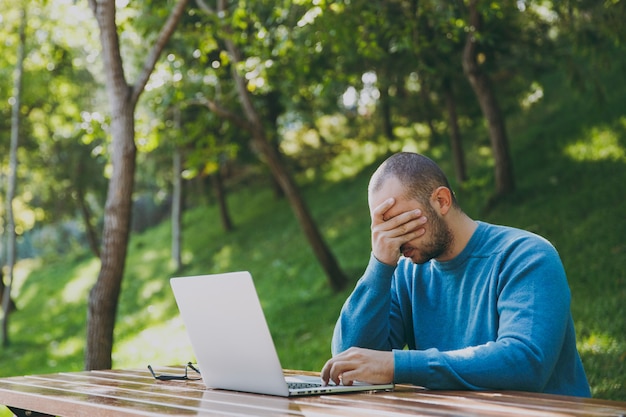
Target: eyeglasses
[{"x": 164, "y": 377}]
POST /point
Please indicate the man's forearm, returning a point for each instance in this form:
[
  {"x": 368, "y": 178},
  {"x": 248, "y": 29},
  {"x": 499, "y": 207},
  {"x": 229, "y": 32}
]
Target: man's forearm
[{"x": 364, "y": 318}]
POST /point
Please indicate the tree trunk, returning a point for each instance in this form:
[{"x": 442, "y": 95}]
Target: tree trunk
[
  {"x": 481, "y": 84},
  {"x": 177, "y": 198},
  {"x": 335, "y": 275},
  {"x": 428, "y": 105},
  {"x": 15, "y": 134},
  {"x": 177, "y": 209},
  {"x": 456, "y": 143},
  {"x": 104, "y": 296},
  {"x": 92, "y": 235},
  {"x": 220, "y": 196},
  {"x": 12, "y": 306},
  {"x": 385, "y": 111}
]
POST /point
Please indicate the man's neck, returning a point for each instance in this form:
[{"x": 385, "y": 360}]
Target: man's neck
[{"x": 462, "y": 228}]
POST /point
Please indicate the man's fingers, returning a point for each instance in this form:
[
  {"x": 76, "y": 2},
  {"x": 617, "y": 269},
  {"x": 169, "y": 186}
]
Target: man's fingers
[
  {"x": 336, "y": 369},
  {"x": 356, "y": 364},
  {"x": 409, "y": 227},
  {"x": 402, "y": 219},
  {"x": 347, "y": 378},
  {"x": 325, "y": 373},
  {"x": 329, "y": 372},
  {"x": 379, "y": 212}
]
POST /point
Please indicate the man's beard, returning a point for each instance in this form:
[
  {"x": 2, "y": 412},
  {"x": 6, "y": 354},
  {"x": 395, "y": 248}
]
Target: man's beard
[{"x": 439, "y": 243}]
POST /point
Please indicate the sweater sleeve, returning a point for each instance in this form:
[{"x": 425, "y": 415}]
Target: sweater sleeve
[
  {"x": 533, "y": 309},
  {"x": 365, "y": 320}
]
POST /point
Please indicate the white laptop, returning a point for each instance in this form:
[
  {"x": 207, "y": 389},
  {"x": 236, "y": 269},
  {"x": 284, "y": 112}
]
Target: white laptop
[{"x": 232, "y": 342}]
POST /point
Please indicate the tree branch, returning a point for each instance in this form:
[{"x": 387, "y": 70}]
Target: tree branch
[
  {"x": 235, "y": 55},
  {"x": 153, "y": 56},
  {"x": 222, "y": 112},
  {"x": 469, "y": 50},
  {"x": 104, "y": 12},
  {"x": 204, "y": 7}
]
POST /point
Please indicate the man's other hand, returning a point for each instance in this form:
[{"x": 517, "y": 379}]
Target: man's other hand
[{"x": 358, "y": 364}]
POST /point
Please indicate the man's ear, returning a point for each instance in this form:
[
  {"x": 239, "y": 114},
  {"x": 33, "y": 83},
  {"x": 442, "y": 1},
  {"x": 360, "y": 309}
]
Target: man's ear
[{"x": 441, "y": 200}]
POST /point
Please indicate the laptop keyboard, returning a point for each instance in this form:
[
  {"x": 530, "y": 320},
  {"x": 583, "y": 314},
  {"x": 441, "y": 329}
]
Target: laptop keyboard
[{"x": 299, "y": 385}]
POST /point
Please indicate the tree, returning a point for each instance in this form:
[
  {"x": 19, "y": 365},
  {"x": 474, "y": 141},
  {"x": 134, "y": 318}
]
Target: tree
[
  {"x": 481, "y": 83},
  {"x": 177, "y": 200},
  {"x": 12, "y": 180},
  {"x": 456, "y": 144},
  {"x": 60, "y": 170},
  {"x": 591, "y": 35},
  {"x": 123, "y": 98},
  {"x": 254, "y": 124}
]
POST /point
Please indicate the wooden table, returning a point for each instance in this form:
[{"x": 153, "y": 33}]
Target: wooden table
[{"x": 136, "y": 393}]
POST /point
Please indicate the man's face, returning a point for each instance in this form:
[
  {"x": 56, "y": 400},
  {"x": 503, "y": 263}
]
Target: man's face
[{"x": 438, "y": 238}]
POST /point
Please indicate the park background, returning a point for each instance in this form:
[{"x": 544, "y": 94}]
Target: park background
[{"x": 336, "y": 87}]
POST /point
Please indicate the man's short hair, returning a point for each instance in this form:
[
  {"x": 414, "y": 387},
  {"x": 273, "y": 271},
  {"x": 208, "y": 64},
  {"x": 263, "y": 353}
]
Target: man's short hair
[{"x": 419, "y": 175}]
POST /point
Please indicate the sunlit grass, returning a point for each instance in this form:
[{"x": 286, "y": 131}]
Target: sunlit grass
[
  {"x": 75, "y": 290},
  {"x": 597, "y": 144},
  {"x": 605, "y": 359},
  {"x": 599, "y": 343},
  {"x": 148, "y": 346},
  {"x": 64, "y": 348}
]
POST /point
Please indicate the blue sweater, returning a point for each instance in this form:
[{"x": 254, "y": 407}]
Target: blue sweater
[{"x": 497, "y": 316}]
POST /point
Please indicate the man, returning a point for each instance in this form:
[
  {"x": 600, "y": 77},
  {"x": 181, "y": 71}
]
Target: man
[{"x": 469, "y": 306}]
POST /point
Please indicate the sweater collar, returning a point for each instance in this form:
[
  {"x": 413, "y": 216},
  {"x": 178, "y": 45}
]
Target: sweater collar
[{"x": 473, "y": 244}]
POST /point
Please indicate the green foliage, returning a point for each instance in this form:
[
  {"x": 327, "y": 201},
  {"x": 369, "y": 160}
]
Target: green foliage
[{"x": 59, "y": 161}]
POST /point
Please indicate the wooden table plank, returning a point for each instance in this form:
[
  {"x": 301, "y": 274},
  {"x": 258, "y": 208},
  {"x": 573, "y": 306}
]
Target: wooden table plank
[
  {"x": 67, "y": 399},
  {"x": 427, "y": 405},
  {"x": 540, "y": 402},
  {"x": 484, "y": 405},
  {"x": 129, "y": 393}
]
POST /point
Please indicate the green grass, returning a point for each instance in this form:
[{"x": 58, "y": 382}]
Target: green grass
[{"x": 570, "y": 166}]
